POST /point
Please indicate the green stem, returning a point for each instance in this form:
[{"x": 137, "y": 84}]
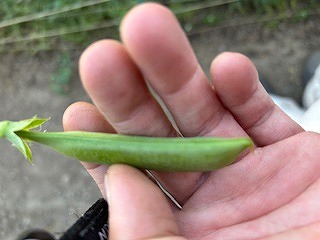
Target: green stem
[
  {"x": 3, "y": 128},
  {"x": 164, "y": 154}
]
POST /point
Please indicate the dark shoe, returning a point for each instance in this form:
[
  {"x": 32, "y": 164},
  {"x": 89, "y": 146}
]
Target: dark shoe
[
  {"x": 93, "y": 225},
  {"x": 36, "y": 234}
]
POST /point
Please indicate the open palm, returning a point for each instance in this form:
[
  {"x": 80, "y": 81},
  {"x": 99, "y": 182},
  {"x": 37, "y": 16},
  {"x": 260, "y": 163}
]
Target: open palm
[{"x": 273, "y": 192}]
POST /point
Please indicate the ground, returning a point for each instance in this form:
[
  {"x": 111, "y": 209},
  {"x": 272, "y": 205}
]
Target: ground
[{"x": 56, "y": 190}]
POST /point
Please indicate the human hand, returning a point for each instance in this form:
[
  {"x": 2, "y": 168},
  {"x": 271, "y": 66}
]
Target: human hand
[{"x": 270, "y": 192}]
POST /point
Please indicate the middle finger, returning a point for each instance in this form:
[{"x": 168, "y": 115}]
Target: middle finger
[{"x": 159, "y": 47}]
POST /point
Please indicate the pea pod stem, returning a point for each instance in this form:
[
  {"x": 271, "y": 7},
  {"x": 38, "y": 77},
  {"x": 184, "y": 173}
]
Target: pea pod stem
[{"x": 164, "y": 154}]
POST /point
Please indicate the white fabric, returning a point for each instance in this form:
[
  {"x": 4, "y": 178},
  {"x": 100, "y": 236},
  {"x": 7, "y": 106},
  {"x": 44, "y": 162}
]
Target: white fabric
[
  {"x": 308, "y": 117},
  {"x": 310, "y": 120},
  {"x": 312, "y": 90},
  {"x": 289, "y": 106}
]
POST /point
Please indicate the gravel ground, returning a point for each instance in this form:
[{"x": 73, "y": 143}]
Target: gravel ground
[{"x": 56, "y": 190}]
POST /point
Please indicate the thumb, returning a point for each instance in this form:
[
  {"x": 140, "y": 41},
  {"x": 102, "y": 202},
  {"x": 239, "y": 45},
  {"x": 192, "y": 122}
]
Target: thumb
[{"x": 137, "y": 207}]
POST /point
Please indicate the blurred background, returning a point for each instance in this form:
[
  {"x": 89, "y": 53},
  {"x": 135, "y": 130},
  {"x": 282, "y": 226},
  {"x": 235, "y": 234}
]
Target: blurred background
[{"x": 40, "y": 43}]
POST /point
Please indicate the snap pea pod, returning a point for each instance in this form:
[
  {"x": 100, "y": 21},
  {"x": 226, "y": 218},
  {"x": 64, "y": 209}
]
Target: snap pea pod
[{"x": 164, "y": 154}]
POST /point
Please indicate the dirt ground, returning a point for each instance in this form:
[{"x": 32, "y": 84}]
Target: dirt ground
[{"x": 56, "y": 190}]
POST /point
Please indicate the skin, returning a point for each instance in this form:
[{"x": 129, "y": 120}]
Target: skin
[{"x": 272, "y": 193}]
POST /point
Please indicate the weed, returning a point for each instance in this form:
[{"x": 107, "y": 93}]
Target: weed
[
  {"x": 61, "y": 78},
  {"x": 35, "y": 24}
]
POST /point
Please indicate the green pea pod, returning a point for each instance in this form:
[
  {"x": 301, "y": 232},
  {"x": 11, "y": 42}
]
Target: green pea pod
[{"x": 164, "y": 154}]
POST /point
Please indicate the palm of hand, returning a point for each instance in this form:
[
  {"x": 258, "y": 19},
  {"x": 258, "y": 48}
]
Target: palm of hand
[{"x": 268, "y": 192}]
